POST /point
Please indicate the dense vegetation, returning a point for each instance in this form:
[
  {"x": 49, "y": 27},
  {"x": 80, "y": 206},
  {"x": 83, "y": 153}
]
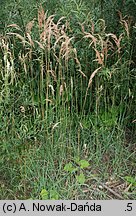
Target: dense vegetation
[{"x": 67, "y": 99}]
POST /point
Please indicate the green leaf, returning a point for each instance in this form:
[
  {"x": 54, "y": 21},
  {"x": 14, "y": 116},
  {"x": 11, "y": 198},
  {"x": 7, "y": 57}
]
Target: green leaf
[
  {"x": 54, "y": 195},
  {"x": 83, "y": 164},
  {"x": 81, "y": 178},
  {"x": 69, "y": 168},
  {"x": 44, "y": 194},
  {"x": 77, "y": 159}
]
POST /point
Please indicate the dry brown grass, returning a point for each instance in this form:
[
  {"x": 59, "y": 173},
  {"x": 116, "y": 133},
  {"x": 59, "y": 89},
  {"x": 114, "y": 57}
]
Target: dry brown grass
[
  {"x": 105, "y": 45},
  {"x": 55, "y": 42}
]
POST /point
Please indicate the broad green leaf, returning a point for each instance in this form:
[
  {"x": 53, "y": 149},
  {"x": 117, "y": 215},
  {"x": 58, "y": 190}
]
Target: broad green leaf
[
  {"x": 81, "y": 178},
  {"x": 54, "y": 195},
  {"x": 83, "y": 164},
  {"x": 44, "y": 194},
  {"x": 77, "y": 159},
  {"x": 69, "y": 168}
]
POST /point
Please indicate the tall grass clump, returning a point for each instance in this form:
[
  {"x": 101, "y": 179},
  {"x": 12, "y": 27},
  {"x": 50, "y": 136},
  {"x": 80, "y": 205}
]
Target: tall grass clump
[{"x": 66, "y": 95}]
